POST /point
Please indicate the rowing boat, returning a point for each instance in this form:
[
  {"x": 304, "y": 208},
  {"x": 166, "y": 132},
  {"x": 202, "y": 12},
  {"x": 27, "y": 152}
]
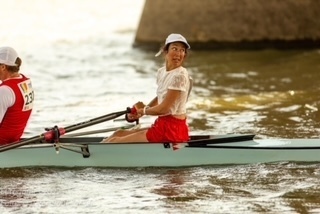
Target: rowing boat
[{"x": 199, "y": 151}]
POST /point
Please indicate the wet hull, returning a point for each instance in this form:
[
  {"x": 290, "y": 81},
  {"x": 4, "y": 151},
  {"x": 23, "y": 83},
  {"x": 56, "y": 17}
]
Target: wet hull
[{"x": 202, "y": 150}]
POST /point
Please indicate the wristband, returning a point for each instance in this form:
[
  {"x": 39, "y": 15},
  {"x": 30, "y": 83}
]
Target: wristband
[{"x": 145, "y": 109}]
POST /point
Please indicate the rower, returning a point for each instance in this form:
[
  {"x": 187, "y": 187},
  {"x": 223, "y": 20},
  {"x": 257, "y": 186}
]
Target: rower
[{"x": 16, "y": 97}]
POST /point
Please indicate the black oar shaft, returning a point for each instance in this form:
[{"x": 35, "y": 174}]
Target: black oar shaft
[
  {"x": 94, "y": 121},
  {"x": 98, "y": 131},
  {"x": 25, "y": 142}
]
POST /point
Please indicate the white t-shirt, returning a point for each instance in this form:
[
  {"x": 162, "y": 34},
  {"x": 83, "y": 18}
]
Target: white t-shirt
[
  {"x": 7, "y": 100},
  {"x": 177, "y": 79}
]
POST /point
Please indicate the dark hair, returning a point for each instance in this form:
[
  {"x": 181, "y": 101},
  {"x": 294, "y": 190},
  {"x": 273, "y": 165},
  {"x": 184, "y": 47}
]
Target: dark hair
[{"x": 16, "y": 68}]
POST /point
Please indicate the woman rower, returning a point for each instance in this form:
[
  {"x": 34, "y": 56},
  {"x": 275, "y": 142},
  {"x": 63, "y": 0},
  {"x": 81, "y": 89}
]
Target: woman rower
[{"x": 170, "y": 103}]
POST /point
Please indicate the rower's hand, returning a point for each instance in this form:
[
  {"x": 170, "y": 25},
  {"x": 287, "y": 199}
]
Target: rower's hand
[
  {"x": 139, "y": 105},
  {"x": 135, "y": 113},
  {"x": 132, "y": 117}
]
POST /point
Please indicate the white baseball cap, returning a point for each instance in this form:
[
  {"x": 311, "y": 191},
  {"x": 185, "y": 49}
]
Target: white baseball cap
[
  {"x": 174, "y": 37},
  {"x": 8, "y": 56}
]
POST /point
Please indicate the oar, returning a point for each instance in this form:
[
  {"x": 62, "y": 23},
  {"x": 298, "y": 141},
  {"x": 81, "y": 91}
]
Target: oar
[
  {"x": 200, "y": 142},
  {"x": 98, "y": 131},
  {"x": 54, "y": 133}
]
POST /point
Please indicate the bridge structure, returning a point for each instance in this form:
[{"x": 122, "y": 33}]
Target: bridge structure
[{"x": 234, "y": 24}]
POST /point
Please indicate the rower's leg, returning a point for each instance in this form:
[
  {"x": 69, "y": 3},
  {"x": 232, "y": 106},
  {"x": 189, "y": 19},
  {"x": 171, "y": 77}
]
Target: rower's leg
[
  {"x": 122, "y": 133},
  {"x": 138, "y": 136}
]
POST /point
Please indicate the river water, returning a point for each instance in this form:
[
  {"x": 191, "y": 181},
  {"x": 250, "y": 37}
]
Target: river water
[{"x": 80, "y": 57}]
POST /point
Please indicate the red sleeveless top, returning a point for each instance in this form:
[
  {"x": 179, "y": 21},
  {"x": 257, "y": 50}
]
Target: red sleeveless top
[{"x": 17, "y": 116}]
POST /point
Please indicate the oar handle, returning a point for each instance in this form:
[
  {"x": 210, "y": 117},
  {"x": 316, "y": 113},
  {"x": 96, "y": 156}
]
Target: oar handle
[{"x": 132, "y": 110}]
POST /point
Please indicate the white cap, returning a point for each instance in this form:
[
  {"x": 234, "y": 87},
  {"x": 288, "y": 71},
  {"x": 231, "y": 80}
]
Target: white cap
[
  {"x": 8, "y": 56},
  {"x": 174, "y": 37}
]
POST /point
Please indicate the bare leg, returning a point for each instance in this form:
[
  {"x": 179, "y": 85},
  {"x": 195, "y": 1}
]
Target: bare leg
[
  {"x": 138, "y": 136},
  {"x": 122, "y": 133}
]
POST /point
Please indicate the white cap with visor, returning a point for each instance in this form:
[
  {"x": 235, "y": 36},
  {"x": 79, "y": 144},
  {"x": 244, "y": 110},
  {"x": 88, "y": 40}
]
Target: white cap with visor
[
  {"x": 8, "y": 56},
  {"x": 174, "y": 37}
]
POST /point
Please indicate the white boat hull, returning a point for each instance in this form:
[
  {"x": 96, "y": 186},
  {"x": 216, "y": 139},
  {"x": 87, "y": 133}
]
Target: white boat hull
[{"x": 156, "y": 155}]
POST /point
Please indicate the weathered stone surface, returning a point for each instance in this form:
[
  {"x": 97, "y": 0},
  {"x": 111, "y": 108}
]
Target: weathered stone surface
[{"x": 232, "y": 23}]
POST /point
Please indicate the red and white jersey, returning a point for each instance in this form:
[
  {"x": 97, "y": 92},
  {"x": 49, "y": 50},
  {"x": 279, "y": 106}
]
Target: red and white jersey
[
  {"x": 177, "y": 79},
  {"x": 16, "y": 103}
]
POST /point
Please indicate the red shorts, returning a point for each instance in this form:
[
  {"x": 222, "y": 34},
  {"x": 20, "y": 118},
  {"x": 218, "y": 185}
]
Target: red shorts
[{"x": 168, "y": 129}]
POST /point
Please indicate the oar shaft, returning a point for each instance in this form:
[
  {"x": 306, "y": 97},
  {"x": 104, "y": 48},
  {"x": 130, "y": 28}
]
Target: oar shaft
[
  {"x": 25, "y": 142},
  {"x": 98, "y": 131},
  {"x": 94, "y": 121}
]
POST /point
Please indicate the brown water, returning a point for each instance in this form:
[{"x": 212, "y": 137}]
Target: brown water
[
  {"x": 84, "y": 66},
  {"x": 271, "y": 93},
  {"x": 260, "y": 188}
]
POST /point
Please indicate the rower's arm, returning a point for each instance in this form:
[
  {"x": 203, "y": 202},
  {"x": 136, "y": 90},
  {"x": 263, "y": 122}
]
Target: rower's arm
[
  {"x": 153, "y": 102},
  {"x": 164, "y": 107}
]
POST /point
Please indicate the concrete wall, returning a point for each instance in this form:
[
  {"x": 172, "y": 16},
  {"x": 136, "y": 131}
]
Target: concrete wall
[{"x": 245, "y": 24}]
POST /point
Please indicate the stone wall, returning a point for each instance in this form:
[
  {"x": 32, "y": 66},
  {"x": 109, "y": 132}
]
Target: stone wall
[{"x": 245, "y": 24}]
